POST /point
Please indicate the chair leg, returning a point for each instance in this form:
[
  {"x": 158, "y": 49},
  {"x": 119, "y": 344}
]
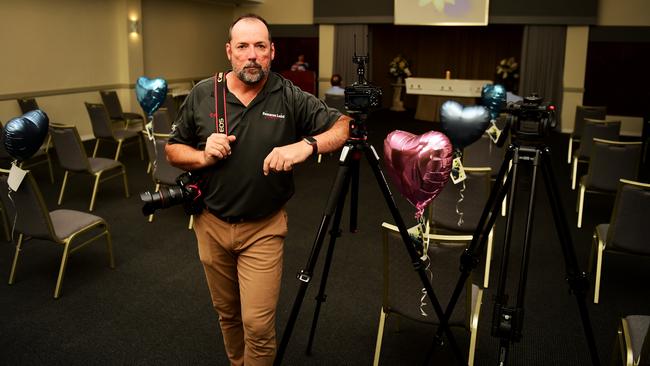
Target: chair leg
[
  {"x": 574, "y": 173},
  {"x": 119, "y": 148},
  {"x": 14, "y": 264},
  {"x": 49, "y": 165},
  {"x": 92, "y": 198},
  {"x": 190, "y": 226},
  {"x": 581, "y": 202},
  {"x": 156, "y": 190},
  {"x": 568, "y": 158},
  {"x": 126, "y": 183},
  {"x": 96, "y": 147},
  {"x": 109, "y": 246},
  {"x": 64, "y": 262},
  {"x": 380, "y": 336},
  {"x": 488, "y": 260},
  {"x": 599, "y": 266},
  {"x": 65, "y": 180}
]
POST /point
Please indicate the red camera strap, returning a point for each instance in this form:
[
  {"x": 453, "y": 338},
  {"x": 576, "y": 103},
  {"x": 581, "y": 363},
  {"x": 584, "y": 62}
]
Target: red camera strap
[{"x": 220, "y": 116}]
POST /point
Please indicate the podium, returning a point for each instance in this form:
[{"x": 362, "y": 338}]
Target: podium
[{"x": 434, "y": 92}]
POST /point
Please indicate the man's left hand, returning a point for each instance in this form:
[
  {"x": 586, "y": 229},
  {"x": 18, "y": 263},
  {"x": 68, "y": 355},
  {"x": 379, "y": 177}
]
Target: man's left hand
[{"x": 283, "y": 158}]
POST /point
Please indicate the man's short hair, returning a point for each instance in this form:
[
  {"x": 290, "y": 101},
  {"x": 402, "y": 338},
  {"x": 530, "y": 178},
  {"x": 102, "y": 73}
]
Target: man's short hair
[
  {"x": 335, "y": 80},
  {"x": 249, "y": 16}
]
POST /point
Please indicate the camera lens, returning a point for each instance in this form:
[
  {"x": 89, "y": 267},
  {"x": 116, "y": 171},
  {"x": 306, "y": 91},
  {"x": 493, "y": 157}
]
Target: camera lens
[{"x": 165, "y": 197}]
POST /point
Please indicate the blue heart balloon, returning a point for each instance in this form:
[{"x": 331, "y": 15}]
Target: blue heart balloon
[
  {"x": 463, "y": 125},
  {"x": 151, "y": 93},
  {"x": 24, "y": 135},
  {"x": 493, "y": 97}
]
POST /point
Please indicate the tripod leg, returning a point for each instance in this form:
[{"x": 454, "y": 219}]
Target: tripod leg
[
  {"x": 373, "y": 159},
  {"x": 304, "y": 276},
  {"x": 335, "y": 232},
  {"x": 577, "y": 280},
  {"x": 354, "y": 194}
]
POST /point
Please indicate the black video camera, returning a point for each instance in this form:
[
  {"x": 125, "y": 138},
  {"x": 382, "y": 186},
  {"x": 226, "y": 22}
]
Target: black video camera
[
  {"x": 187, "y": 191},
  {"x": 361, "y": 96},
  {"x": 530, "y": 118}
]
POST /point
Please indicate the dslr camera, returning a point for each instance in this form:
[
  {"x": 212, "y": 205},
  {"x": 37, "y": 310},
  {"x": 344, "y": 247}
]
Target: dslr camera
[
  {"x": 187, "y": 191},
  {"x": 361, "y": 96},
  {"x": 530, "y": 118}
]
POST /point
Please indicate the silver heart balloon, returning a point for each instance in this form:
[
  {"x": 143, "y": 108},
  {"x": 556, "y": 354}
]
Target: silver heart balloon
[{"x": 463, "y": 125}]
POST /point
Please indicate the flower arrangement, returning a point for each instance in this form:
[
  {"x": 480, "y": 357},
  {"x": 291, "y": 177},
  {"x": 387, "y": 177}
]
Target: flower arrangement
[
  {"x": 399, "y": 67},
  {"x": 508, "y": 74},
  {"x": 508, "y": 69}
]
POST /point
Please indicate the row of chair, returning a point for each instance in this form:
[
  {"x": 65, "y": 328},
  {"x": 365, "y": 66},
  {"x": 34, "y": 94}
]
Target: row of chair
[{"x": 70, "y": 228}]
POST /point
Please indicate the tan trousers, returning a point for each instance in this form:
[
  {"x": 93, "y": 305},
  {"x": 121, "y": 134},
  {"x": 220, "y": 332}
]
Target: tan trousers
[{"x": 243, "y": 267}]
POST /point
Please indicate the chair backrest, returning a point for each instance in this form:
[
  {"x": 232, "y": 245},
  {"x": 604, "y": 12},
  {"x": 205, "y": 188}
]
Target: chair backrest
[
  {"x": 403, "y": 290},
  {"x": 112, "y": 103},
  {"x": 163, "y": 172},
  {"x": 69, "y": 148},
  {"x": 611, "y": 161},
  {"x": 629, "y": 230},
  {"x": 170, "y": 105},
  {"x": 484, "y": 152},
  {"x": 100, "y": 120},
  {"x": 27, "y": 104},
  {"x": 161, "y": 122},
  {"x": 28, "y": 208},
  {"x": 475, "y": 194},
  {"x": 336, "y": 101},
  {"x": 607, "y": 130},
  {"x": 305, "y": 80},
  {"x": 584, "y": 111}
]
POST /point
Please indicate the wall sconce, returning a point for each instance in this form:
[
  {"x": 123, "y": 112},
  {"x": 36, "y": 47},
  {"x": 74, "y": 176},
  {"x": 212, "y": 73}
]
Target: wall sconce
[{"x": 134, "y": 26}]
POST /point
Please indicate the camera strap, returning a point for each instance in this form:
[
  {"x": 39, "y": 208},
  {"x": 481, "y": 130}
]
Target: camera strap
[{"x": 220, "y": 117}]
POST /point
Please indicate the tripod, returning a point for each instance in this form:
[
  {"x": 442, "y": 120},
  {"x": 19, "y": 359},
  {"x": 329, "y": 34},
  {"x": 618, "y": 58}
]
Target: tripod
[
  {"x": 348, "y": 175},
  {"x": 507, "y": 320}
]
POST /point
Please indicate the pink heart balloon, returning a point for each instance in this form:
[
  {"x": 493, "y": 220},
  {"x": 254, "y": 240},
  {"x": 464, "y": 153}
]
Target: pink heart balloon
[{"x": 418, "y": 164}]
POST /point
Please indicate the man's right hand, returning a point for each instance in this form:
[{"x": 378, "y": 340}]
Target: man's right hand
[{"x": 217, "y": 147}]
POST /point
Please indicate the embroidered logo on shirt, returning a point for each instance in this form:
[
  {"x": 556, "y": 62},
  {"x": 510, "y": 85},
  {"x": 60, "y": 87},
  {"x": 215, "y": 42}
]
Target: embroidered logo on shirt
[{"x": 273, "y": 116}]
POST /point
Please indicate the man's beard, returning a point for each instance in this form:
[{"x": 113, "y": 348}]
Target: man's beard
[{"x": 252, "y": 79}]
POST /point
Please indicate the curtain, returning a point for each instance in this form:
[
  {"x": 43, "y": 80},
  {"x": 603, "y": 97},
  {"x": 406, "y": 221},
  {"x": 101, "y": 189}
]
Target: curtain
[
  {"x": 542, "y": 64},
  {"x": 344, "y": 50}
]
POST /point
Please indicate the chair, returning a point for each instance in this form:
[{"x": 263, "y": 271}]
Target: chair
[
  {"x": 610, "y": 161},
  {"x": 444, "y": 219},
  {"x": 402, "y": 290},
  {"x": 337, "y": 102},
  {"x": 164, "y": 174},
  {"x": 170, "y": 105},
  {"x": 582, "y": 112},
  {"x": 27, "y": 104},
  {"x": 73, "y": 158},
  {"x": 608, "y": 130},
  {"x": 162, "y": 125},
  {"x": 633, "y": 338},
  {"x": 103, "y": 131},
  {"x": 41, "y": 156},
  {"x": 305, "y": 80},
  {"x": 114, "y": 108},
  {"x": 627, "y": 231},
  {"x": 33, "y": 220}
]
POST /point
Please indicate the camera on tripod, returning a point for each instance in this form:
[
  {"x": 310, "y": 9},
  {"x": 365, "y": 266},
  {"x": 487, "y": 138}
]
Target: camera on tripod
[
  {"x": 187, "y": 191},
  {"x": 530, "y": 118},
  {"x": 361, "y": 96}
]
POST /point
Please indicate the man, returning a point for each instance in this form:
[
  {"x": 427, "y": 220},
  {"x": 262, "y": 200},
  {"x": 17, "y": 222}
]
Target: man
[
  {"x": 336, "y": 89},
  {"x": 248, "y": 172}
]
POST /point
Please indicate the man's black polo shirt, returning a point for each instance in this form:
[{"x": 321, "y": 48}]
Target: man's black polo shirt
[{"x": 280, "y": 114}]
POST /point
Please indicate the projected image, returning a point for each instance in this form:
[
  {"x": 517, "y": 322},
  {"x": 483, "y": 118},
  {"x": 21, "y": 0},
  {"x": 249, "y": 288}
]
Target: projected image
[{"x": 441, "y": 12}]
